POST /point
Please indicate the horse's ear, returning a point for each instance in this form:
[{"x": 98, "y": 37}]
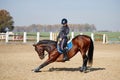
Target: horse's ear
[{"x": 34, "y": 45}]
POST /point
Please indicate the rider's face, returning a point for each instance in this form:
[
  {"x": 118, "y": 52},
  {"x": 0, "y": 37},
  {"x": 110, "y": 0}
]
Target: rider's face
[{"x": 64, "y": 24}]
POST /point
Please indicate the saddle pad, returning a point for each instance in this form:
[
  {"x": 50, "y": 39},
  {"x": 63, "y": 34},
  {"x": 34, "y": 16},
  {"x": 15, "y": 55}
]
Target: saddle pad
[{"x": 69, "y": 46}]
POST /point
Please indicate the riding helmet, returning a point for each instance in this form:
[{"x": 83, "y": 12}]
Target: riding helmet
[{"x": 64, "y": 21}]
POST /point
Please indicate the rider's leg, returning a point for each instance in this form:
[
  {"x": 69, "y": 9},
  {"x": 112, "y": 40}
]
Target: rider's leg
[{"x": 64, "y": 49}]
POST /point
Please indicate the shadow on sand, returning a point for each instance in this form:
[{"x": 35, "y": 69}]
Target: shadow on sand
[{"x": 75, "y": 69}]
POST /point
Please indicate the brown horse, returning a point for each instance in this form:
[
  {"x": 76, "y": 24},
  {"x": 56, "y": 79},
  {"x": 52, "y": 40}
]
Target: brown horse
[{"x": 80, "y": 43}]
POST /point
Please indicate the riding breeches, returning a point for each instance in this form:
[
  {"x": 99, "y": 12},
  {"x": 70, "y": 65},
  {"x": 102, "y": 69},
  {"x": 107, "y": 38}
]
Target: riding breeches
[{"x": 63, "y": 44}]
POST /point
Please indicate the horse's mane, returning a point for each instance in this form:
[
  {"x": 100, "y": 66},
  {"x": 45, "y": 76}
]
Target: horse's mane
[{"x": 47, "y": 42}]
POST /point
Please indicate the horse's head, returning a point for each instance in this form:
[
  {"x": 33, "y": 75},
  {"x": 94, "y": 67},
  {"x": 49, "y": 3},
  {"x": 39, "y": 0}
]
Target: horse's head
[
  {"x": 44, "y": 45},
  {"x": 40, "y": 50}
]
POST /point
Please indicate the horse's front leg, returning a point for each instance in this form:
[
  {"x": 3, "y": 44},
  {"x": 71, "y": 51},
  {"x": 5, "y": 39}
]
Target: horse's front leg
[
  {"x": 41, "y": 66},
  {"x": 52, "y": 58},
  {"x": 48, "y": 61}
]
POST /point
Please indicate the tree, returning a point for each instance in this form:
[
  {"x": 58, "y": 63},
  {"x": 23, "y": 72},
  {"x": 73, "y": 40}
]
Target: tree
[{"x": 6, "y": 21}]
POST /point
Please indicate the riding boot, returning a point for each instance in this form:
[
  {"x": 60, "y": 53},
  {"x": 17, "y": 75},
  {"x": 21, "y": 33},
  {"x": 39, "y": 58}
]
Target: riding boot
[{"x": 65, "y": 58}]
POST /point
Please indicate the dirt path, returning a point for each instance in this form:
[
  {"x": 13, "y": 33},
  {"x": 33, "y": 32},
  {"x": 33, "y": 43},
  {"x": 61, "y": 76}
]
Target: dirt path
[{"x": 17, "y": 61}]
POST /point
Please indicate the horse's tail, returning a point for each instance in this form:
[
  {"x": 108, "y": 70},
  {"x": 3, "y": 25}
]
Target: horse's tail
[{"x": 90, "y": 52}]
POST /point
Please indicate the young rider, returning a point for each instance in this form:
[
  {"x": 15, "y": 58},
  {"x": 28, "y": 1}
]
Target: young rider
[{"x": 62, "y": 38}]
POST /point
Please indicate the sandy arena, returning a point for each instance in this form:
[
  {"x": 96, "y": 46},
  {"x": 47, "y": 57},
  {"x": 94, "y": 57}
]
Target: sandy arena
[{"x": 17, "y": 61}]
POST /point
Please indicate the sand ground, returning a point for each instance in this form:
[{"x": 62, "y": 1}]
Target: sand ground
[{"x": 17, "y": 61}]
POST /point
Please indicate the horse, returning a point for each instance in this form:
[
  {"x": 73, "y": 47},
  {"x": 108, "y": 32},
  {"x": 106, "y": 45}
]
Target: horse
[{"x": 82, "y": 43}]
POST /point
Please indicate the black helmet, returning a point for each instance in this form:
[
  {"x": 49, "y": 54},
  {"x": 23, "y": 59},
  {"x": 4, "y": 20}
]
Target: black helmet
[{"x": 64, "y": 21}]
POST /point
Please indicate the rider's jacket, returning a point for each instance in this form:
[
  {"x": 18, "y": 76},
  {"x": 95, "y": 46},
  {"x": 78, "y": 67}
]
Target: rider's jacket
[{"x": 64, "y": 31}]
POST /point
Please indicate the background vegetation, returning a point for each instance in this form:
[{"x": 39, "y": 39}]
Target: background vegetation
[{"x": 6, "y": 21}]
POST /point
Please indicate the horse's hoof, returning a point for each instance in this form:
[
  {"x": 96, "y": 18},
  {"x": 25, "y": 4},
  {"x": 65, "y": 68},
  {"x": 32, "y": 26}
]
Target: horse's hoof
[
  {"x": 36, "y": 70},
  {"x": 83, "y": 69}
]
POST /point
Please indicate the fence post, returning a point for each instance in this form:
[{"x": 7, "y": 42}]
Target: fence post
[
  {"x": 7, "y": 37},
  {"x": 51, "y": 36},
  {"x": 92, "y": 36},
  {"x": 81, "y": 33},
  {"x": 24, "y": 37},
  {"x": 38, "y": 36},
  {"x": 72, "y": 35},
  {"x": 104, "y": 38}
]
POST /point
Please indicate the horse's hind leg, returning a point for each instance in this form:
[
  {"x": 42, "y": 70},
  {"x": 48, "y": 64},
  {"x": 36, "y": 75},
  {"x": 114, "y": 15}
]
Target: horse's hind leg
[{"x": 84, "y": 65}]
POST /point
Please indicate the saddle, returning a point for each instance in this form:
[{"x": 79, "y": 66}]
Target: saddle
[{"x": 69, "y": 46}]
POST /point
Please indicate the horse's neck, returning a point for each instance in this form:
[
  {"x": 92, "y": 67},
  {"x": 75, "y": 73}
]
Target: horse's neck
[{"x": 49, "y": 47}]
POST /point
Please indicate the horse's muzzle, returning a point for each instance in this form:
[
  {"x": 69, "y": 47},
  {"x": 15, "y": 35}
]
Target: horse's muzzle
[{"x": 43, "y": 56}]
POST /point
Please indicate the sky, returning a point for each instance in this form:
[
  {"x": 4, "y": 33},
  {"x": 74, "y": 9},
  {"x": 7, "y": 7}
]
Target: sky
[{"x": 104, "y": 14}]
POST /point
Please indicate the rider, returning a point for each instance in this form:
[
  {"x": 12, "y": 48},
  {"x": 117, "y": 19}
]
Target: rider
[{"x": 62, "y": 38}]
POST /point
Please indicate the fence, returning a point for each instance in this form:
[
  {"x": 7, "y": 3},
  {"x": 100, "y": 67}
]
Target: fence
[{"x": 35, "y": 37}]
